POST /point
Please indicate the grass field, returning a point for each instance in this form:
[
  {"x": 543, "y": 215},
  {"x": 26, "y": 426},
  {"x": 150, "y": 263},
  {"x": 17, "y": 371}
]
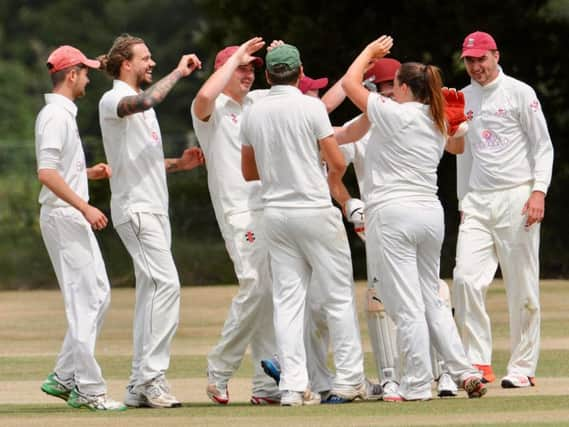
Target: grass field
[{"x": 32, "y": 326}]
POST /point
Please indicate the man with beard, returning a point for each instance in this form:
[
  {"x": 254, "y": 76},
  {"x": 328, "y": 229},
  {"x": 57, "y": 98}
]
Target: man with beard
[{"x": 139, "y": 207}]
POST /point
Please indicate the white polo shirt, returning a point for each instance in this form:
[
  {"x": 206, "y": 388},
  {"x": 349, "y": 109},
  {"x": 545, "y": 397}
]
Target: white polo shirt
[
  {"x": 57, "y": 135},
  {"x": 219, "y": 138},
  {"x": 508, "y": 137},
  {"x": 133, "y": 146},
  {"x": 403, "y": 154},
  {"x": 284, "y": 129}
]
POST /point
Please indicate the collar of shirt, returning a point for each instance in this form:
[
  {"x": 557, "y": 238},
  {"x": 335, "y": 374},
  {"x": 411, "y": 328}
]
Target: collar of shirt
[
  {"x": 122, "y": 85},
  {"x": 283, "y": 89},
  {"x": 493, "y": 84},
  {"x": 62, "y": 101},
  {"x": 228, "y": 100}
]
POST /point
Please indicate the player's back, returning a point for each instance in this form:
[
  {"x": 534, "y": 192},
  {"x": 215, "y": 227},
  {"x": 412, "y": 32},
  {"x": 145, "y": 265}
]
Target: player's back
[{"x": 284, "y": 129}]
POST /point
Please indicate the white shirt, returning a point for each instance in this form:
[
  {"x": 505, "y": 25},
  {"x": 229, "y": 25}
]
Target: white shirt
[
  {"x": 355, "y": 152},
  {"x": 56, "y": 132},
  {"x": 219, "y": 138},
  {"x": 508, "y": 137},
  {"x": 133, "y": 146},
  {"x": 284, "y": 129},
  {"x": 403, "y": 153}
]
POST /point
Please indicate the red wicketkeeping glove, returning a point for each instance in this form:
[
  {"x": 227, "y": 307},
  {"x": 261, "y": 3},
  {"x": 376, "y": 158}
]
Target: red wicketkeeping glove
[{"x": 454, "y": 112}]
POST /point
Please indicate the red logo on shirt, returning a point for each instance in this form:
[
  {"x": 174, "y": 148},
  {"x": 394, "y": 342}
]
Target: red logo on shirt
[
  {"x": 155, "y": 136},
  {"x": 250, "y": 236},
  {"x": 534, "y": 106},
  {"x": 469, "y": 114},
  {"x": 233, "y": 117}
]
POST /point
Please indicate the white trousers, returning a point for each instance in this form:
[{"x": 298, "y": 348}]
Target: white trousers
[
  {"x": 156, "y": 312},
  {"x": 305, "y": 243},
  {"x": 493, "y": 232},
  {"x": 317, "y": 340},
  {"x": 250, "y": 317},
  {"x": 82, "y": 278},
  {"x": 404, "y": 242}
]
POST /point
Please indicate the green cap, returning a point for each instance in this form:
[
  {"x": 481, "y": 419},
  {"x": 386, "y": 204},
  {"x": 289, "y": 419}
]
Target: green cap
[{"x": 284, "y": 54}]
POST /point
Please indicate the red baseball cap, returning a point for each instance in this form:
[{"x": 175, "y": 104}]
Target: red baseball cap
[
  {"x": 224, "y": 54},
  {"x": 306, "y": 83},
  {"x": 477, "y": 44},
  {"x": 383, "y": 70},
  {"x": 68, "y": 56}
]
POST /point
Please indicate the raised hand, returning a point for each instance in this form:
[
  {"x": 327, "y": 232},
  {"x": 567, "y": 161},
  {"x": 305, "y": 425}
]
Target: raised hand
[
  {"x": 245, "y": 52},
  {"x": 380, "y": 47},
  {"x": 188, "y": 64}
]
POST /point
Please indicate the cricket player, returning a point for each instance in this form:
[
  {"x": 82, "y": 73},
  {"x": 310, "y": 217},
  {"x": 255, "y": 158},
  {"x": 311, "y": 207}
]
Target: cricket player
[
  {"x": 282, "y": 135},
  {"x": 67, "y": 221},
  {"x": 503, "y": 180},
  {"x": 217, "y": 112},
  {"x": 139, "y": 207},
  {"x": 404, "y": 218}
]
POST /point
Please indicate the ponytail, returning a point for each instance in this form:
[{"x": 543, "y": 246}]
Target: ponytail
[
  {"x": 425, "y": 82},
  {"x": 437, "y": 105}
]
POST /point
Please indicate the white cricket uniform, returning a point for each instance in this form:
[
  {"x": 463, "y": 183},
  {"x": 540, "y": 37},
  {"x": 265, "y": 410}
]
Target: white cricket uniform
[
  {"x": 72, "y": 246},
  {"x": 404, "y": 235},
  {"x": 239, "y": 209},
  {"x": 511, "y": 155},
  {"x": 305, "y": 232},
  {"x": 317, "y": 337},
  {"x": 139, "y": 208}
]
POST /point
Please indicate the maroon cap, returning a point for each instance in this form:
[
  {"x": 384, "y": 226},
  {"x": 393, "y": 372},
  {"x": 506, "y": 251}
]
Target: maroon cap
[
  {"x": 306, "y": 83},
  {"x": 67, "y": 56},
  {"x": 477, "y": 44},
  {"x": 383, "y": 70},
  {"x": 224, "y": 54}
]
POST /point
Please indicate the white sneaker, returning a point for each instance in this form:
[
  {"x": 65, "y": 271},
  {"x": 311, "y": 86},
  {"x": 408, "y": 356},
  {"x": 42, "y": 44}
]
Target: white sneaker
[
  {"x": 163, "y": 384},
  {"x": 391, "y": 391},
  {"x": 292, "y": 398},
  {"x": 446, "y": 386},
  {"x": 217, "y": 395},
  {"x": 94, "y": 403},
  {"x": 156, "y": 396},
  {"x": 373, "y": 391},
  {"x": 517, "y": 381},
  {"x": 133, "y": 398},
  {"x": 345, "y": 394}
]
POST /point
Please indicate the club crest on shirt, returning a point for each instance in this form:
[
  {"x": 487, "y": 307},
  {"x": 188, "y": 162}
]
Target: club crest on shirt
[
  {"x": 500, "y": 112},
  {"x": 470, "y": 114},
  {"x": 233, "y": 117},
  {"x": 250, "y": 236},
  {"x": 490, "y": 140},
  {"x": 534, "y": 106},
  {"x": 155, "y": 137}
]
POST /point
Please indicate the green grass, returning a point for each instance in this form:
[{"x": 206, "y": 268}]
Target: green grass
[{"x": 552, "y": 363}]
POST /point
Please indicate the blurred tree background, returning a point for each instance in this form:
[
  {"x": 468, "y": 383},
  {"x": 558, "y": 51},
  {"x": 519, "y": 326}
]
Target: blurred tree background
[{"x": 530, "y": 35}]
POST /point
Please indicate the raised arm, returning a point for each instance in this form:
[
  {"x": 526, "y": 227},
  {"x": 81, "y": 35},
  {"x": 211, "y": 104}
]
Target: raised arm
[
  {"x": 352, "y": 81},
  {"x": 156, "y": 93},
  {"x": 205, "y": 99}
]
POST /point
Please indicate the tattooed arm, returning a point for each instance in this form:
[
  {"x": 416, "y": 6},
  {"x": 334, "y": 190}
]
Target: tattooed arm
[{"x": 156, "y": 93}]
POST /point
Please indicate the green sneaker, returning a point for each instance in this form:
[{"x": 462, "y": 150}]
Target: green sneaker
[
  {"x": 54, "y": 388},
  {"x": 94, "y": 403}
]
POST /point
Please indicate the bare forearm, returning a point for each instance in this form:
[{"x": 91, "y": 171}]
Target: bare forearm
[
  {"x": 152, "y": 96},
  {"x": 337, "y": 188},
  {"x": 334, "y": 96},
  {"x": 53, "y": 180}
]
